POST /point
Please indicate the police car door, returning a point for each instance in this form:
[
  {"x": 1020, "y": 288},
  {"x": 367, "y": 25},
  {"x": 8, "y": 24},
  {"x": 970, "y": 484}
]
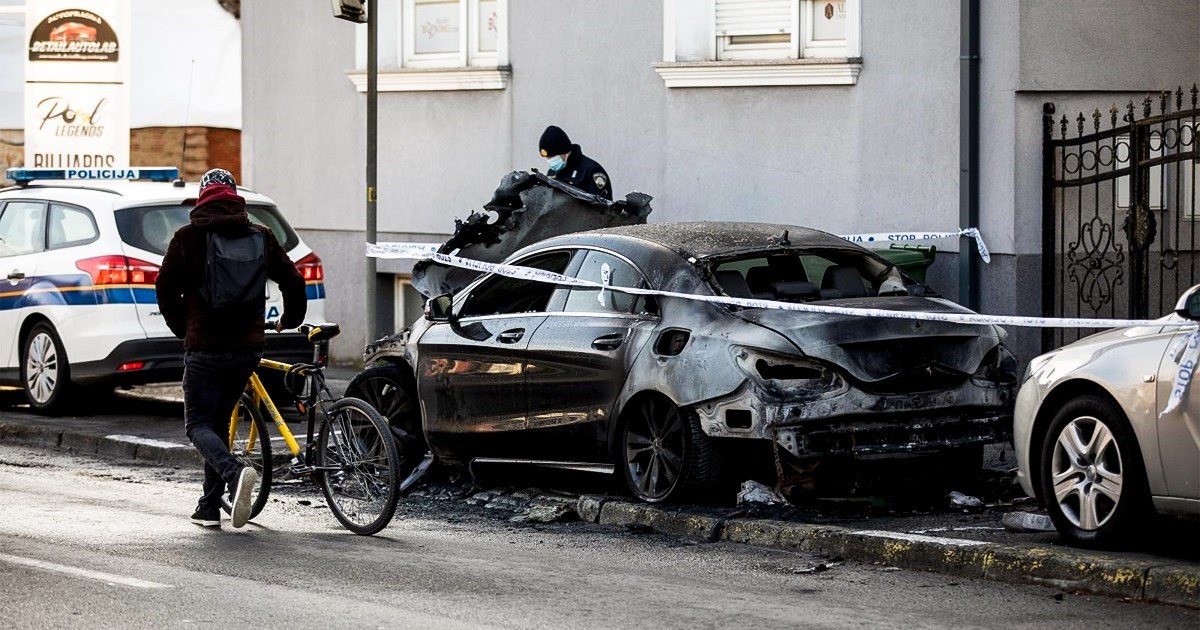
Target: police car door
[{"x": 22, "y": 239}]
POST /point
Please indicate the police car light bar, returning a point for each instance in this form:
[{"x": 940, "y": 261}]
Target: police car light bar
[{"x": 155, "y": 174}]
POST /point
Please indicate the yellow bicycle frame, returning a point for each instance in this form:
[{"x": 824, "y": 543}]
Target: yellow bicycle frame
[{"x": 260, "y": 396}]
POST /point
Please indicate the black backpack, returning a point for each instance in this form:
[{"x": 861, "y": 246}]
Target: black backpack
[{"x": 235, "y": 271}]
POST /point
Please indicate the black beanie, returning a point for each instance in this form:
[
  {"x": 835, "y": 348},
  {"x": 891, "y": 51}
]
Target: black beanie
[{"x": 554, "y": 142}]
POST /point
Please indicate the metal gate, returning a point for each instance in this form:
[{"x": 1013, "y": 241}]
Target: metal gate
[{"x": 1120, "y": 213}]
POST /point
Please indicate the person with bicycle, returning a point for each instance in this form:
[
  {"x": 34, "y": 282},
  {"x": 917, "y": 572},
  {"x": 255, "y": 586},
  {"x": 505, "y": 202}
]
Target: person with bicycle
[{"x": 212, "y": 294}]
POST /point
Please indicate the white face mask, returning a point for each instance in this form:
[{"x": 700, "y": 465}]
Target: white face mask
[{"x": 556, "y": 162}]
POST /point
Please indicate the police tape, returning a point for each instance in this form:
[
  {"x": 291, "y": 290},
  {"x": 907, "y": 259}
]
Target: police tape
[
  {"x": 1186, "y": 355},
  {"x": 904, "y": 237},
  {"x": 423, "y": 251},
  {"x": 426, "y": 250},
  {"x": 1185, "y": 352}
]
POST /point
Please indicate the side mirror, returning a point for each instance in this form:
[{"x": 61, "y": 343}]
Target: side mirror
[
  {"x": 1189, "y": 305},
  {"x": 438, "y": 309}
]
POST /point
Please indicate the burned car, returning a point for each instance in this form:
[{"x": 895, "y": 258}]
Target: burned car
[{"x": 668, "y": 392}]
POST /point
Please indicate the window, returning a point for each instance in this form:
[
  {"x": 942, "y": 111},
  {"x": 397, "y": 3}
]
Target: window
[
  {"x": 436, "y": 45},
  {"x": 607, "y": 269},
  {"x": 71, "y": 226},
  {"x": 22, "y": 228},
  {"x": 410, "y": 304},
  {"x": 151, "y": 227},
  {"x": 715, "y": 43},
  {"x": 501, "y": 295},
  {"x": 809, "y": 276}
]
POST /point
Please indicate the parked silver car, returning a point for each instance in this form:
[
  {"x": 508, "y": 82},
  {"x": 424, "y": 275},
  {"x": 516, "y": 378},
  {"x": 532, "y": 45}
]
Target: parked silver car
[{"x": 1092, "y": 440}]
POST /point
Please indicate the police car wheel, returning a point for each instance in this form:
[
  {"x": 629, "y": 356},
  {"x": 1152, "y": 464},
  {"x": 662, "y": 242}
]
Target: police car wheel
[{"x": 45, "y": 372}]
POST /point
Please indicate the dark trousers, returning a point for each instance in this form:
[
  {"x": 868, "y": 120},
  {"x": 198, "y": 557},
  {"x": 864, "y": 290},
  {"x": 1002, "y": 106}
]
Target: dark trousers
[{"x": 212, "y": 384}]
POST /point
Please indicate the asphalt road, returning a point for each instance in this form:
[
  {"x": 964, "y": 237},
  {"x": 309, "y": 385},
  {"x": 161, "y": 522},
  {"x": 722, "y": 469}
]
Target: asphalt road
[{"x": 88, "y": 544}]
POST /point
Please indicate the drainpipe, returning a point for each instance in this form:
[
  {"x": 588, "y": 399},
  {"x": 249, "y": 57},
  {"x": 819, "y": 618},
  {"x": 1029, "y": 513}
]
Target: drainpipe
[
  {"x": 968, "y": 153},
  {"x": 372, "y": 281}
]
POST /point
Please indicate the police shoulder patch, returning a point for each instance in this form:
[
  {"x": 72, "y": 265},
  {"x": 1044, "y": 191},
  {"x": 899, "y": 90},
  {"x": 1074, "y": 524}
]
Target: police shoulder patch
[{"x": 600, "y": 179}]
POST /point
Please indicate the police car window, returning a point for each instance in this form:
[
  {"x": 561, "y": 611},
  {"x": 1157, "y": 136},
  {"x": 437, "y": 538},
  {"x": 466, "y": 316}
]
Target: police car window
[
  {"x": 606, "y": 269},
  {"x": 151, "y": 227},
  {"x": 500, "y": 295},
  {"x": 22, "y": 228},
  {"x": 70, "y": 226}
]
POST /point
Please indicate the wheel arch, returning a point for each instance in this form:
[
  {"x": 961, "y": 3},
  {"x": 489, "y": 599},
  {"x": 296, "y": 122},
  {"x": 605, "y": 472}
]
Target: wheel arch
[
  {"x": 621, "y": 415},
  {"x": 1054, "y": 400}
]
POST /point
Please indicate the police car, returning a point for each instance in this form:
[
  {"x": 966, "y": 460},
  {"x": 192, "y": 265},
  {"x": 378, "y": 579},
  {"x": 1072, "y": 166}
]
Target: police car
[{"x": 79, "y": 253}]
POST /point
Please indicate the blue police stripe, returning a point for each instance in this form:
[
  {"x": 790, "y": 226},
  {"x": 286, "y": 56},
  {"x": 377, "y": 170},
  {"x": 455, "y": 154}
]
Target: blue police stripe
[
  {"x": 315, "y": 291},
  {"x": 77, "y": 290}
]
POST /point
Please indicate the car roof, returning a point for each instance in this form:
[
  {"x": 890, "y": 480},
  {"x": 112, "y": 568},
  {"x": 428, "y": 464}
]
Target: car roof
[
  {"x": 706, "y": 239},
  {"x": 121, "y": 193}
]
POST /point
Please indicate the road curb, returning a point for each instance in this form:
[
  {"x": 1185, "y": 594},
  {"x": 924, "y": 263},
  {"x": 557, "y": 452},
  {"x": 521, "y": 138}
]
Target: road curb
[
  {"x": 1068, "y": 569},
  {"x": 50, "y": 437}
]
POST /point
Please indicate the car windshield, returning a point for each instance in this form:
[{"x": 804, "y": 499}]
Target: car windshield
[
  {"x": 151, "y": 227},
  {"x": 806, "y": 276}
]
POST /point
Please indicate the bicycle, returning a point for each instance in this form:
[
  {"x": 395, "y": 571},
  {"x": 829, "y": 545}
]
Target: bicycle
[{"x": 354, "y": 458}]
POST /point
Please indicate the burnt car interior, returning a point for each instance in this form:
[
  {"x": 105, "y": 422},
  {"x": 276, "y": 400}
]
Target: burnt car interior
[
  {"x": 809, "y": 275},
  {"x": 502, "y": 295}
]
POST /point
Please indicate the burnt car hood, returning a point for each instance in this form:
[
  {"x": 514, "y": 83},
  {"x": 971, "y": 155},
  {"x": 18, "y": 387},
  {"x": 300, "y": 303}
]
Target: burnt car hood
[{"x": 907, "y": 353}]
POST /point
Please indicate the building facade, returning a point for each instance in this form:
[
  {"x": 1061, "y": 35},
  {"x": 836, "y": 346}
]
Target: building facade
[{"x": 841, "y": 115}]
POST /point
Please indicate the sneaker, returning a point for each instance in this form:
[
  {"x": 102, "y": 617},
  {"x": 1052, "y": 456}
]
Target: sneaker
[
  {"x": 243, "y": 496},
  {"x": 207, "y": 517}
]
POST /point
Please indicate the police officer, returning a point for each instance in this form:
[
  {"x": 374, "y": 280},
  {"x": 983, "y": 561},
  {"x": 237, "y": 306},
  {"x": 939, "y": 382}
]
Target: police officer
[{"x": 570, "y": 166}]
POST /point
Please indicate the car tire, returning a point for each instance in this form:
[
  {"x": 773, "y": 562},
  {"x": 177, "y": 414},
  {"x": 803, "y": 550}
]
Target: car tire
[
  {"x": 1091, "y": 476},
  {"x": 663, "y": 454},
  {"x": 45, "y": 370},
  {"x": 391, "y": 390}
]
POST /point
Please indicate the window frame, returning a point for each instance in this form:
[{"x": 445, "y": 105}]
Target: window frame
[
  {"x": 581, "y": 254},
  {"x": 68, "y": 244},
  {"x": 463, "y": 297},
  {"x": 4, "y": 207},
  {"x": 809, "y": 62}
]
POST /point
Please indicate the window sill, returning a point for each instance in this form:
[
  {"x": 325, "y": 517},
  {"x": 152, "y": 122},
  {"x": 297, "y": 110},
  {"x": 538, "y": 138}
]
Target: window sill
[
  {"x": 690, "y": 74},
  {"x": 435, "y": 79}
]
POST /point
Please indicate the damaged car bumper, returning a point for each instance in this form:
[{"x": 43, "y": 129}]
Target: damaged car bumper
[{"x": 855, "y": 422}]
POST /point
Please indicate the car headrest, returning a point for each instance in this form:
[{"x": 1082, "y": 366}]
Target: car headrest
[{"x": 733, "y": 283}]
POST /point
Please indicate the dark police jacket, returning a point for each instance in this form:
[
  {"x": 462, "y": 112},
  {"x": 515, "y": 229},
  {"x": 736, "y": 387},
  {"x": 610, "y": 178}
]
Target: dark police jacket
[{"x": 585, "y": 174}]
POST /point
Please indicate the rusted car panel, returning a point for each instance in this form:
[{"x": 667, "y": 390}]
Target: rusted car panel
[{"x": 809, "y": 385}]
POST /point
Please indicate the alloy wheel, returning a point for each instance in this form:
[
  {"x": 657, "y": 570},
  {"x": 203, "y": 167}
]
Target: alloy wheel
[
  {"x": 41, "y": 368},
  {"x": 1087, "y": 473},
  {"x": 654, "y": 449}
]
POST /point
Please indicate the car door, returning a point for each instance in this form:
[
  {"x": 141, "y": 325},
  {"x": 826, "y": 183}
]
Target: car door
[
  {"x": 579, "y": 358},
  {"x": 22, "y": 239},
  {"x": 471, "y": 371},
  {"x": 1179, "y": 430}
]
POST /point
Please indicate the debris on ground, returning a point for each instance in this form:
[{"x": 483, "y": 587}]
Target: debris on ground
[
  {"x": 755, "y": 492},
  {"x": 558, "y": 513},
  {"x": 1024, "y": 522},
  {"x": 817, "y": 568},
  {"x": 960, "y": 500}
]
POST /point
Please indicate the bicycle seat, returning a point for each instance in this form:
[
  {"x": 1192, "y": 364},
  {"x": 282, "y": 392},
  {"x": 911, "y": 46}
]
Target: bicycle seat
[{"x": 317, "y": 333}]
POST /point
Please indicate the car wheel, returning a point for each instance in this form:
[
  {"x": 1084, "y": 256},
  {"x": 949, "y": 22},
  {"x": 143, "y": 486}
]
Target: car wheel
[
  {"x": 45, "y": 371},
  {"x": 1091, "y": 475},
  {"x": 392, "y": 392},
  {"x": 664, "y": 454}
]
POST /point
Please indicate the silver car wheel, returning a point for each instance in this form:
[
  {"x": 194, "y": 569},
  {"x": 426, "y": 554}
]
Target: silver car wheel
[
  {"x": 41, "y": 368},
  {"x": 1087, "y": 473}
]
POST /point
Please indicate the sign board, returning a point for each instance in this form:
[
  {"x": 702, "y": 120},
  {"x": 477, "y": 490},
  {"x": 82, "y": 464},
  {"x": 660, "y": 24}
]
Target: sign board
[{"x": 76, "y": 84}]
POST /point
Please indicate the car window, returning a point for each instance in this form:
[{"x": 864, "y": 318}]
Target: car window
[
  {"x": 500, "y": 295},
  {"x": 807, "y": 276},
  {"x": 22, "y": 228},
  {"x": 151, "y": 227},
  {"x": 596, "y": 267},
  {"x": 70, "y": 226}
]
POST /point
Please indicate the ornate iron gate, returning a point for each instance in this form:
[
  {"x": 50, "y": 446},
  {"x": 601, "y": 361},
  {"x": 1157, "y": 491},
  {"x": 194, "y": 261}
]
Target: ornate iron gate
[{"x": 1120, "y": 211}]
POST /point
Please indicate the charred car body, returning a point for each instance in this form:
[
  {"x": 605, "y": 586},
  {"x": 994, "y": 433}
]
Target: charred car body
[{"x": 668, "y": 392}]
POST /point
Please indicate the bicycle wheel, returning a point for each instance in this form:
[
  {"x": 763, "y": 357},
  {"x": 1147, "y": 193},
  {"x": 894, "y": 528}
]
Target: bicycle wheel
[
  {"x": 256, "y": 454},
  {"x": 363, "y": 491}
]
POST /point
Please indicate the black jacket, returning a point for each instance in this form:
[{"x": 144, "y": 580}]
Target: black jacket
[
  {"x": 585, "y": 174},
  {"x": 182, "y": 273}
]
